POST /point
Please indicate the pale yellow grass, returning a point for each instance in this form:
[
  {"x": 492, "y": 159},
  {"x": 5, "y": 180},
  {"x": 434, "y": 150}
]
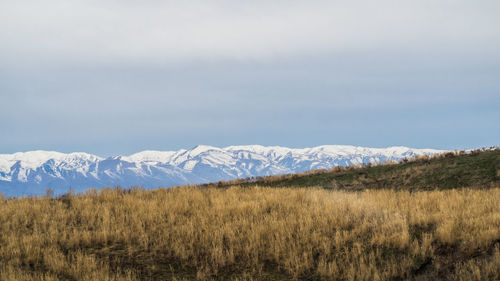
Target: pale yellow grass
[{"x": 252, "y": 234}]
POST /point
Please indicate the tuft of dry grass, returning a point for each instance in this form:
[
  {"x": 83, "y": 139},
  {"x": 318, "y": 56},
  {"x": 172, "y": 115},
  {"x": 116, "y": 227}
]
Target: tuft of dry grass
[{"x": 253, "y": 233}]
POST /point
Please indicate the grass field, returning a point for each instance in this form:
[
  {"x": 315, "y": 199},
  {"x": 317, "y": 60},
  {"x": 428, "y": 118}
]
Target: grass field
[{"x": 254, "y": 233}]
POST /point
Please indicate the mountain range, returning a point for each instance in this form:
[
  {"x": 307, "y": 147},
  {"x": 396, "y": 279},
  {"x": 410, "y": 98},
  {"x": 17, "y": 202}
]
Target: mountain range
[{"x": 31, "y": 173}]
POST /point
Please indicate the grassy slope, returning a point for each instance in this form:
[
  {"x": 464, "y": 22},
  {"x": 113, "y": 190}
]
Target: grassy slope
[
  {"x": 252, "y": 234},
  {"x": 269, "y": 233},
  {"x": 478, "y": 169}
]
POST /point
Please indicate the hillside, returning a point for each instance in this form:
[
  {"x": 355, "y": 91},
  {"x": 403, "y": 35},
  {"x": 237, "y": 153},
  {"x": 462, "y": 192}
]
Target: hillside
[
  {"x": 244, "y": 232},
  {"x": 479, "y": 168},
  {"x": 252, "y": 234}
]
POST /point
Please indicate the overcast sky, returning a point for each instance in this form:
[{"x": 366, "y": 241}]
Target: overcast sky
[{"x": 116, "y": 77}]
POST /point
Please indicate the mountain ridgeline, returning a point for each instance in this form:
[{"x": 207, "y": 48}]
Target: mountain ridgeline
[
  {"x": 32, "y": 173},
  {"x": 476, "y": 169}
]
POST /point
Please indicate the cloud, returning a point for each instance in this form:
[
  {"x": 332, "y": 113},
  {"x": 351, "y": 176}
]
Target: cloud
[
  {"x": 119, "y": 76},
  {"x": 60, "y": 31}
]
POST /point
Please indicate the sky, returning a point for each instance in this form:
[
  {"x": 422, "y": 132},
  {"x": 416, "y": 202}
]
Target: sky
[{"x": 117, "y": 77}]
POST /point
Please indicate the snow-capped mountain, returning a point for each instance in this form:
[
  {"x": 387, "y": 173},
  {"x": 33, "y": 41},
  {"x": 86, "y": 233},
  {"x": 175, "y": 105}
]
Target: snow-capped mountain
[{"x": 33, "y": 172}]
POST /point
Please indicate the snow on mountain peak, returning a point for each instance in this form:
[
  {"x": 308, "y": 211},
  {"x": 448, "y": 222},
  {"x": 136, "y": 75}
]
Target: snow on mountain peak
[
  {"x": 34, "y": 159},
  {"x": 152, "y": 156},
  {"x": 199, "y": 149},
  {"x": 33, "y": 171}
]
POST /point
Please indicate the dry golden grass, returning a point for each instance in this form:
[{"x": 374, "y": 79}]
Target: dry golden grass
[{"x": 252, "y": 234}]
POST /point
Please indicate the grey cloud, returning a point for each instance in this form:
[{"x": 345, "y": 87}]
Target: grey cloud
[
  {"x": 120, "y": 76},
  {"x": 56, "y": 31}
]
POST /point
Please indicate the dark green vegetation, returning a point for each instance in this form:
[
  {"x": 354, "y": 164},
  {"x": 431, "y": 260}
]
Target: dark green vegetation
[{"x": 477, "y": 169}]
